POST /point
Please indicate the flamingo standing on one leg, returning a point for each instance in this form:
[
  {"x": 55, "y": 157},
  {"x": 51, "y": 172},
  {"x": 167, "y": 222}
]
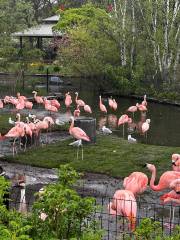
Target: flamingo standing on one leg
[
  {"x": 124, "y": 204},
  {"x": 122, "y": 120},
  {"x": 78, "y": 133},
  {"x": 145, "y": 126},
  {"x": 102, "y": 106},
  {"x": 165, "y": 179},
  {"x": 68, "y": 100},
  {"x": 79, "y": 102}
]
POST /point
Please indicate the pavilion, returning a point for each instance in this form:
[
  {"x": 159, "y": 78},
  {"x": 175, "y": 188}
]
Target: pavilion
[{"x": 43, "y": 30}]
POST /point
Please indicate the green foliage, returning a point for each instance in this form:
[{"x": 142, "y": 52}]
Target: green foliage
[
  {"x": 150, "y": 230},
  {"x": 13, "y": 225},
  {"x": 66, "y": 212},
  {"x": 89, "y": 50}
]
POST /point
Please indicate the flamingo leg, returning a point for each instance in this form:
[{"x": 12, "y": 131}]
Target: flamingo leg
[
  {"x": 25, "y": 145},
  {"x": 82, "y": 152},
  {"x": 14, "y": 147},
  {"x": 77, "y": 153}
]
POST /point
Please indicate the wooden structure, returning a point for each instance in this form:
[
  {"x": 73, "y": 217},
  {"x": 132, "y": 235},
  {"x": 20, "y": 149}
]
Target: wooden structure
[{"x": 43, "y": 30}]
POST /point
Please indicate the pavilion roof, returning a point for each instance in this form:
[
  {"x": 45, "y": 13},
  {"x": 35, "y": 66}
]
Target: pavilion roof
[
  {"x": 45, "y": 29},
  {"x": 41, "y": 30}
]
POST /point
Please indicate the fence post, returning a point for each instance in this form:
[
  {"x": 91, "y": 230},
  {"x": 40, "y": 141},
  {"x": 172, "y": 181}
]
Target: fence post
[{"x": 47, "y": 80}]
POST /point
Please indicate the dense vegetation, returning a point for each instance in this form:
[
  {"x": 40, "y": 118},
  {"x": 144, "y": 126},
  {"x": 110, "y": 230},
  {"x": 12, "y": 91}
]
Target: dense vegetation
[
  {"x": 66, "y": 213},
  {"x": 128, "y": 46},
  {"x": 132, "y": 45},
  {"x": 60, "y": 213}
]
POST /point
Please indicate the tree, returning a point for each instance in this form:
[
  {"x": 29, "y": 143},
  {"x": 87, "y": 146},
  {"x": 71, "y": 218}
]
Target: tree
[
  {"x": 15, "y": 16},
  {"x": 161, "y": 25},
  {"x": 87, "y": 47}
]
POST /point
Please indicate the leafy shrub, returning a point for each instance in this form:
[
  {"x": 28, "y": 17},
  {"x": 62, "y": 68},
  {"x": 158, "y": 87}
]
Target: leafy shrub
[{"x": 67, "y": 214}]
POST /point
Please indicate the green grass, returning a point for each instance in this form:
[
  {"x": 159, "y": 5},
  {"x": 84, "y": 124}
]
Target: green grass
[{"x": 110, "y": 155}]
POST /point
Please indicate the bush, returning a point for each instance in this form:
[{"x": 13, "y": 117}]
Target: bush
[{"x": 66, "y": 213}]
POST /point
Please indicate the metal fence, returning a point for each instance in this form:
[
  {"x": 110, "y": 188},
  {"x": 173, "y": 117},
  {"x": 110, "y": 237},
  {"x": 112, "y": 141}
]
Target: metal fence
[{"x": 114, "y": 226}]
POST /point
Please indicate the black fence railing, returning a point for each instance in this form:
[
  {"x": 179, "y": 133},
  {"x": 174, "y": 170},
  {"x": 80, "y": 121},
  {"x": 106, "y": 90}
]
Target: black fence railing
[{"x": 115, "y": 226}]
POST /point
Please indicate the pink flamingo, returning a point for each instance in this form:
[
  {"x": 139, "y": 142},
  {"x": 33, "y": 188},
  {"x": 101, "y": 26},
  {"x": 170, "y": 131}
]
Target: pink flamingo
[
  {"x": 77, "y": 112},
  {"x": 19, "y": 96},
  {"x": 20, "y": 104},
  {"x": 13, "y": 101},
  {"x": 114, "y": 106},
  {"x": 165, "y": 179},
  {"x": 102, "y": 106},
  {"x": 28, "y": 104},
  {"x": 55, "y": 103},
  {"x": 136, "y": 182},
  {"x": 132, "y": 109},
  {"x": 78, "y": 133},
  {"x": 87, "y": 108},
  {"x": 49, "y": 107},
  {"x": 110, "y": 101},
  {"x": 1, "y": 104},
  {"x": 145, "y": 126},
  {"x": 144, "y": 102},
  {"x": 124, "y": 204},
  {"x": 68, "y": 100},
  {"x": 141, "y": 107},
  {"x": 38, "y": 99},
  {"x": 122, "y": 120},
  {"x": 7, "y": 99},
  {"x": 172, "y": 197},
  {"x": 176, "y": 162},
  {"x": 15, "y": 132},
  {"x": 79, "y": 102}
]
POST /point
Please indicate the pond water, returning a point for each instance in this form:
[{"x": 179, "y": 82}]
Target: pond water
[{"x": 164, "y": 126}]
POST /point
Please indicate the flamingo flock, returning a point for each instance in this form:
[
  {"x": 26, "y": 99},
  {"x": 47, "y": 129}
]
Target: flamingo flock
[{"x": 124, "y": 200}]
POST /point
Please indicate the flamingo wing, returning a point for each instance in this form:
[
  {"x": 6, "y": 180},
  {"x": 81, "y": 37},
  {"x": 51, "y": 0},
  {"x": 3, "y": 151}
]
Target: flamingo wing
[{"x": 78, "y": 133}]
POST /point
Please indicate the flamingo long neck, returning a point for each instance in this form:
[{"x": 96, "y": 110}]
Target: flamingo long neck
[
  {"x": 100, "y": 101},
  {"x": 76, "y": 96},
  {"x": 153, "y": 177},
  {"x": 71, "y": 126},
  {"x": 18, "y": 118},
  {"x": 35, "y": 94}
]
